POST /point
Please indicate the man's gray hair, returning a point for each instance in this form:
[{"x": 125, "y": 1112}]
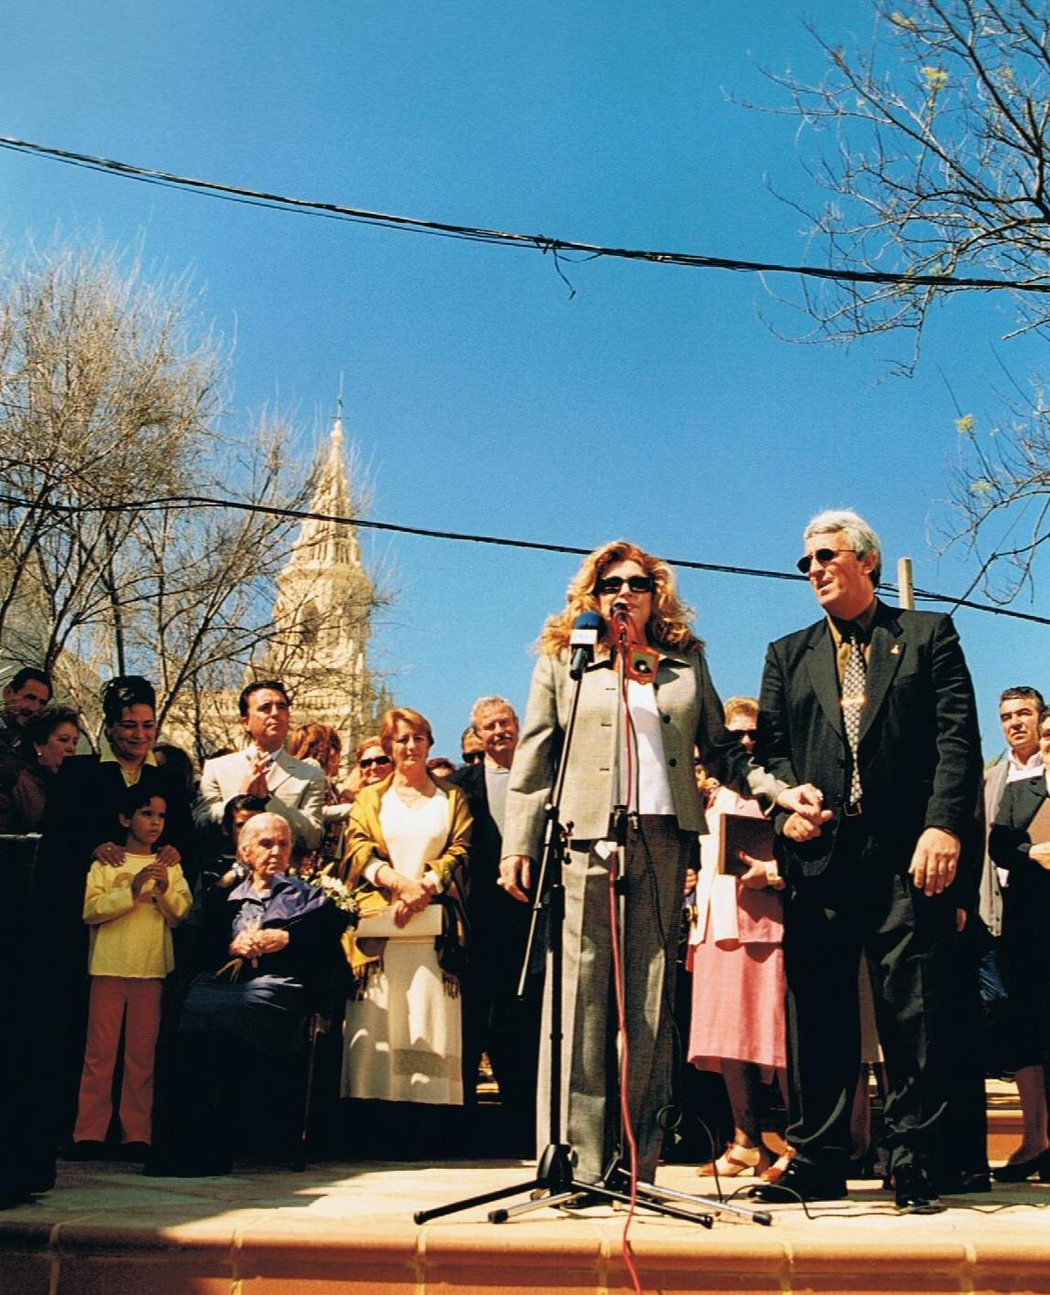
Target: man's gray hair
[
  {"x": 489, "y": 703},
  {"x": 862, "y": 539}
]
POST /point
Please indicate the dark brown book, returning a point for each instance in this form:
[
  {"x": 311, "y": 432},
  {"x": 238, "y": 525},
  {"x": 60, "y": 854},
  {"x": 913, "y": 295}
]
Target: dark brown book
[{"x": 744, "y": 832}]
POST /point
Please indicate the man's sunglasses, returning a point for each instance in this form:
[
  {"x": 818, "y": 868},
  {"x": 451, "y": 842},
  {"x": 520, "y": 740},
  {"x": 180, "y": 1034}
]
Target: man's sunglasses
[
  {"x": 636, "y": 584},
  {"x": 823, "y": 556},
  {"x": 369, "y": 761},
  {"x": 472, "y": 757}
]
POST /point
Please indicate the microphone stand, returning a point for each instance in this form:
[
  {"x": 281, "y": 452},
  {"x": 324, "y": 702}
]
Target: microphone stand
[
  {"x": 617, "y": 1174},
  {"x": 553, "y": 1182}
]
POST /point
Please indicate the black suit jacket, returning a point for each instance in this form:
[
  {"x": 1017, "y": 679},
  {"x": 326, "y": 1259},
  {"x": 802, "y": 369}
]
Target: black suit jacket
[
  {"x": 919, "y": 753},
  {"x": 498, "y": 924},
  {"x": 1008, "y": 841}
]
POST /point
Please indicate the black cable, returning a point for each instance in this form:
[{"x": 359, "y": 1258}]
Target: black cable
[
  {"x": 535, "y": 242},
  {"x": 191, "y": 502}
]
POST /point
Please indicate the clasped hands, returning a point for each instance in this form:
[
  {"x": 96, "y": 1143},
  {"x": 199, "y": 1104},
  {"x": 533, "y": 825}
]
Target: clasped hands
[
  {"x": 254, "y": 944},
  {"x": 934, "y": 860},
  {"x": 808, "y": 814},
  {"x": 156, "y": 872},
  {"x": 254, "y": 781},
  {"x": 412, "y": 895}
]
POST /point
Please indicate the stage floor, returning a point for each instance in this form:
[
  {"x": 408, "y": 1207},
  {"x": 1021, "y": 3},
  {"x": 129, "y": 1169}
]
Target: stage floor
[{"x": 347, "y": 1228}]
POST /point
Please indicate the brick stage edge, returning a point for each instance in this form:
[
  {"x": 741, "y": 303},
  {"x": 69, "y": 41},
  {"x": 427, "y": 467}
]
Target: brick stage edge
[{"x": 347, "y": 1228}]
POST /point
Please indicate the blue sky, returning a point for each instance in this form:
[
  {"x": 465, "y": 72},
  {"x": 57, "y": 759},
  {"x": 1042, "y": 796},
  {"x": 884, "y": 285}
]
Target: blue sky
[{"x": 654, "y": 404}]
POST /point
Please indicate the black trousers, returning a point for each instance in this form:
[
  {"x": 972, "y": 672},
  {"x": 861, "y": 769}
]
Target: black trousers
[
  {"x": 865, "y": 903},
  {"x": 496, "y": 1022}
]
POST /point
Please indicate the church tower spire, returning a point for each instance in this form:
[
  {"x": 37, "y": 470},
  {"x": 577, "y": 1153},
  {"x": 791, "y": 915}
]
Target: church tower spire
[{"x": 324, "y": 601}]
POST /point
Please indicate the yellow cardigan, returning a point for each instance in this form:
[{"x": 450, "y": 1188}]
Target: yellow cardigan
[{"x": 365, "y": 842}]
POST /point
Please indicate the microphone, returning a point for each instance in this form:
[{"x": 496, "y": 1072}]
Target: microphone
[
  {"x": 621, "y": 622},
  {"x": 582, "y": 640},
  {"x": 639, "y": 660}
]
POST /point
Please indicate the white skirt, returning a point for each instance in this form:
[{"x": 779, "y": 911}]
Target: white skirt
[{"x": 404, "y": 1039}]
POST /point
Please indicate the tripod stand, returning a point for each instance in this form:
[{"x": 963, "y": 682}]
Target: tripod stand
[{"x": 554, "y": 1182}]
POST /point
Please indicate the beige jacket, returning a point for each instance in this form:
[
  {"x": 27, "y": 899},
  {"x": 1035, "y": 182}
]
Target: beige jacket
[{"x": 692, "y": 715}]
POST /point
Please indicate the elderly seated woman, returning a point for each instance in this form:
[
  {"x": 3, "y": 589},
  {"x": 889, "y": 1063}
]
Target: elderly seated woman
[{"x": 271, "y": 941}]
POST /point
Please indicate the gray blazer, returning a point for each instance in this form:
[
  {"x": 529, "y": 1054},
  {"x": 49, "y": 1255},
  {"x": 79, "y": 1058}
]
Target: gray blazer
[
  {"x": 692, "y": 716},
  {"x": 296, "y": 793}
]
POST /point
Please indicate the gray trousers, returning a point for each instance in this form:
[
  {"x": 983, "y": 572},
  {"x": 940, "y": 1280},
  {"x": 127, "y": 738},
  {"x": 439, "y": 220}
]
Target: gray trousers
[{"x": 657, "y": 856}]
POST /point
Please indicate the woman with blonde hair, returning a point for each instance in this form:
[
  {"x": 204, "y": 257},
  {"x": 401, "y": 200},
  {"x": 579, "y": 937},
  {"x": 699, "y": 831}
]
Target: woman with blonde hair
[
  {"x": 407, "y": 838},
  {"x": 669, "y": 706}
]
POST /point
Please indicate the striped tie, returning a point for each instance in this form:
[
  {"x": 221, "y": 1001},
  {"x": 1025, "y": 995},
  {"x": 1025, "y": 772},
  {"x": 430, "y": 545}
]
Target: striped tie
[{"x": 853, "y": 680}]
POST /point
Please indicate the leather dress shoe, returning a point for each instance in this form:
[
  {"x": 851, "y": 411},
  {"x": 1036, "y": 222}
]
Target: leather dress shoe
[
  {"x": 915, "y": 1192},
  {"x": 962, "y": 1182},
  {"x": 801, "y": 1182}
]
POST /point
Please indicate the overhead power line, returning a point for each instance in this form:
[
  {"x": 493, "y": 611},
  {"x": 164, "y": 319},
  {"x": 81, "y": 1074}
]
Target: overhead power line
[
  {"x": 192, "y": 502},
  {"x": 530, "y": 242}
]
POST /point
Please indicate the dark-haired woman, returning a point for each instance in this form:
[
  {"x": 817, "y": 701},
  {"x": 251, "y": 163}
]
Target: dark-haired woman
[
  {"x": 49, "y": 737},
  {"x": 80, "y": 825}
]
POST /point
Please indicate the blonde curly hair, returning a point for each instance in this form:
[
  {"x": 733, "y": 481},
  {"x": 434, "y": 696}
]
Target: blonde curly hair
[{"x": 669, "y": 624}]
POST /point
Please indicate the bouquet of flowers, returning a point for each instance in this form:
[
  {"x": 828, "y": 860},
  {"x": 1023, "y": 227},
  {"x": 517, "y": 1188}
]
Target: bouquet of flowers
[{"x": 346, "y": 900}]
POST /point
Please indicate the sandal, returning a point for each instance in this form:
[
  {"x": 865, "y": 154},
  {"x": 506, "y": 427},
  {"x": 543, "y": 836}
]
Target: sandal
[
  {"x": 732, "y": 1162},
  {"x": 772, "y": 1174}
]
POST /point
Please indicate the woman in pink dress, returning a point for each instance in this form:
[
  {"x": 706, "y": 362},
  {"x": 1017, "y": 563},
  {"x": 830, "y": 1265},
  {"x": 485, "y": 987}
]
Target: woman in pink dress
[{"x": 737, "y": 1025}]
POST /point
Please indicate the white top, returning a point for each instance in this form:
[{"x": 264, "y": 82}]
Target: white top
[
  {"x": 415, "y": 833},
  {"x": 1015, "y": 770},
  {"x": 651, "y": 782}
]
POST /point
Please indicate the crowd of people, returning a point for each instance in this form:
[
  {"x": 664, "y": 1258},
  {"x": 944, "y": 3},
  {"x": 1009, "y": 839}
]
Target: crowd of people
[{"x": 821, "y": 860}]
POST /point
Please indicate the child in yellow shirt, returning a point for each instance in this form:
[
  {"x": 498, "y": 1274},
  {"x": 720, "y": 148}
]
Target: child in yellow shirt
[{"x": 131, "y": 908}]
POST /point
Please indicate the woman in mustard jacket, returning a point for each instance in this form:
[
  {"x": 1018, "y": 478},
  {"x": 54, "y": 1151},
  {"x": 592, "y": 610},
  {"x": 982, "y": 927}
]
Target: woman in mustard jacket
[{"x": 407, "y": 838}]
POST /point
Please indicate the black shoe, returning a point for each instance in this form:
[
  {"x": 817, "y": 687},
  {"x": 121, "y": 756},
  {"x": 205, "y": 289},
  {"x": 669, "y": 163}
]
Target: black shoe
[
  {"x": 801, "y": 1182},
  {"x": 1023, "y": 1169},
  {"x": 915, "y": 1192},
  {"x": 88, "y": 1151},
  {"x": 960, "y": 1183},
  {"x": 133, "y": 1153},
  {"x": 192, "y": 1167}
]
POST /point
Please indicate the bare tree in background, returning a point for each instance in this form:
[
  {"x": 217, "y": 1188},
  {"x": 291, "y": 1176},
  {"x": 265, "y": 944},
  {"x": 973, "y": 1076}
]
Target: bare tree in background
[
  {"x": 930, "y": 140},
  {"x": 111, "y": 399}
]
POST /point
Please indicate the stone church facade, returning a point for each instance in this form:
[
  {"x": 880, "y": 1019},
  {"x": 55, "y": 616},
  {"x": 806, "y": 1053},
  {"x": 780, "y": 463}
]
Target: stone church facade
[{"x": 322, "y": 615}]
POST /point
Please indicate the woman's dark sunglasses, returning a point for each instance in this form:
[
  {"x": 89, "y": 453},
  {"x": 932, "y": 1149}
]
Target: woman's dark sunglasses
[
  {"x": 636, "y": 584},
  {"x": 375, "y": 759},
  {"x": 472, "y": 757}
]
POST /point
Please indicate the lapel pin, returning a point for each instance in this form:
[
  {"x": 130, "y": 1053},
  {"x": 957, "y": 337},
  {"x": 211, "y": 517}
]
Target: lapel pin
[{"x": 895, "y": 650}]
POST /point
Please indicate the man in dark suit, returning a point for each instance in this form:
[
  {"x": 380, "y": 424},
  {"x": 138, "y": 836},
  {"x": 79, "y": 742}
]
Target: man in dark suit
[
  {"x": 494, "y": 1020},
  {"x": 873, "y": 705}
]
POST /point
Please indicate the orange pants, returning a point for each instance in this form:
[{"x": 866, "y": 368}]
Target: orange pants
[{"x": 136, "y": 1004}]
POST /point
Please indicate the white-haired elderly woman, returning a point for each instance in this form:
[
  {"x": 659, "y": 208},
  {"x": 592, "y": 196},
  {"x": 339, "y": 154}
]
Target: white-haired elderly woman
[{"x": 269, "y": 944}]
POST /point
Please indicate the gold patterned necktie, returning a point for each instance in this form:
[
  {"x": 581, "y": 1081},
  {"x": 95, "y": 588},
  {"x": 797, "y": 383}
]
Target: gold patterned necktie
[{"x": 853, "y": 681}]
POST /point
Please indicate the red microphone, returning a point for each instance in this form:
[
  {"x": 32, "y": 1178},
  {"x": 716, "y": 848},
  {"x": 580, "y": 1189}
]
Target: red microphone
[
  {"x": 639, "y": 659},
  {"x": 623, "y": 630}
]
